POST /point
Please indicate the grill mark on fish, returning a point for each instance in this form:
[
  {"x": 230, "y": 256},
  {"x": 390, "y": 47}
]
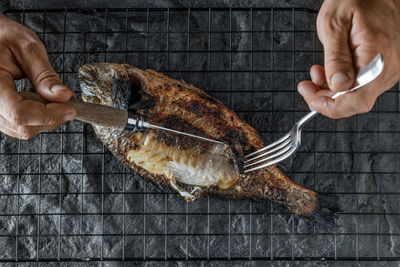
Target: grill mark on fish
[
  {"x": 187, "y": 165},
  {"x": 183, "y": 142}
]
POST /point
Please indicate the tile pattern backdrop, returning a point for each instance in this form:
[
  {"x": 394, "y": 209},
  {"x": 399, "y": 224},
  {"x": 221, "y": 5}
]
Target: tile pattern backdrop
[{"x": 63, "y": 196}]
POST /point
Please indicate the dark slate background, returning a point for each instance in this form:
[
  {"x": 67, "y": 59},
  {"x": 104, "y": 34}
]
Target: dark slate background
[
  {"x": 89, "y": 198},
  {"x": 160, "y": 3}
]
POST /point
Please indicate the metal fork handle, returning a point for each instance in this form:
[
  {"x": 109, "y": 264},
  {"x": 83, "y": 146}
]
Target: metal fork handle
[{"x": 312, "y": 114}]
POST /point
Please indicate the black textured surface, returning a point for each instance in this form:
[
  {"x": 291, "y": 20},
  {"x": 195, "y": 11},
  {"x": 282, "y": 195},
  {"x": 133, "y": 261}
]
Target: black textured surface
[
  {"x": 90, "y": 4},
  {"x": 63, "y": 197}
]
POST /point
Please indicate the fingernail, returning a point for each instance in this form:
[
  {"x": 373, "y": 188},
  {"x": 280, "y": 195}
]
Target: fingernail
[
  {"x": 339, "y": 79},
  {"x": 58, "y": 87},
  {"x": 300, "y": 89},
  {"x": 312, "y": 74},
  {"x": 69, "y": 117}
]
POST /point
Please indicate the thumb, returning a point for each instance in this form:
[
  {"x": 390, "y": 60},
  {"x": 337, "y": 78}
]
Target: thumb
[
  {"x": 49, "y": 85},
  {"x": 34, "y": 61},
  {"x": 334, "y": 33}
]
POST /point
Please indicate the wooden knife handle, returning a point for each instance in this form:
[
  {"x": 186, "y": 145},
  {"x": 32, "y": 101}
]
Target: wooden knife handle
[{"x": 91, "y": 113}]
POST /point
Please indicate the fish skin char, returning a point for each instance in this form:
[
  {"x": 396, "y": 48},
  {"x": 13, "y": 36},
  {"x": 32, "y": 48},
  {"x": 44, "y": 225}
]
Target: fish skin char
[{"x": 182, "y": 106}]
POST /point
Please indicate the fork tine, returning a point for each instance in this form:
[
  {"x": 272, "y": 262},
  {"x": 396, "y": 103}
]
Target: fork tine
[
  {"x": 272, "y": 162},
  {"x": 276, "y": 148},
  {"x": 269, "y": 146},
  {"x": 284, "y": 150}
]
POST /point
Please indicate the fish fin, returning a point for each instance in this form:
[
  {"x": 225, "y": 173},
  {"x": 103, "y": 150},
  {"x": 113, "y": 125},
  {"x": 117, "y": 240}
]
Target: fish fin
[
  {"x": 184, "y": 194},
  {"x": 325, "y": 213}
]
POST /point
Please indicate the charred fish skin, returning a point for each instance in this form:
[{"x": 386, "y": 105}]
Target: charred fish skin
[{"x": 191, "y": 167}]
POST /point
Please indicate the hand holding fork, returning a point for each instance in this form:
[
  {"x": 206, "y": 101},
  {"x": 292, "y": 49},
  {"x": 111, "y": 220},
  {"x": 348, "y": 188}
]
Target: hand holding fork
[{"x": 289, "y": 143}]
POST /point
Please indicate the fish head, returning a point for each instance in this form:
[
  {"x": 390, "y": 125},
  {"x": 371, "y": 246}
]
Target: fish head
[{"x": 106, "y": 84}]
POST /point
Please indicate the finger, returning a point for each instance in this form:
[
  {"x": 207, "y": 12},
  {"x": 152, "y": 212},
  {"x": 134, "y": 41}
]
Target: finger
[
  {"x": 8, "y": 132},
  {"x": 28, "y": 132},
  {"x": 333, "y": 31},
  {"x": 23, "y": 132},
  {"x": 7, "y": 128},
  {"x": 344, "y": 106},
  {"x": 36, "y": 113},
  {"x": 8, "y": 96},
  {"x": 317, "y": 73},
  {"x": 25, "y": 112},
  {"x": 308, "y": 89},
  {"x": 32, "y": 57}
]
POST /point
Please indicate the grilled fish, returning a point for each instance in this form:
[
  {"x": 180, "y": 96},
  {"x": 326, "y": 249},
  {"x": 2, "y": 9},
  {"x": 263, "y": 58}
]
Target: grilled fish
[{"x": 190, "y": 166}]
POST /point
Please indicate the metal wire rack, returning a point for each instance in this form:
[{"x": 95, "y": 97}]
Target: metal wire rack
[{"x": 64, "y": 197}]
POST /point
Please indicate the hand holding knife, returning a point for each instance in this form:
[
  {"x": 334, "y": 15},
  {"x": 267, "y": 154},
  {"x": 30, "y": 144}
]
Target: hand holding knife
[{"x": 110, "y": 117}]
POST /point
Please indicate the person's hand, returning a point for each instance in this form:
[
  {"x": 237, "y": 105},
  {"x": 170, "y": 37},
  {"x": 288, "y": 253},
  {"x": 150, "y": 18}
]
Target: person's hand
[
  {"x": 24, "y": 56},
  {"x": 353, "y": 32}
]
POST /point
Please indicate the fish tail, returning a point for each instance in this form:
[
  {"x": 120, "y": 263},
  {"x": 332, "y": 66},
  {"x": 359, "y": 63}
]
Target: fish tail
[
  {"x": 318, "y": 208},
  {"x": 326, "y": 210}
]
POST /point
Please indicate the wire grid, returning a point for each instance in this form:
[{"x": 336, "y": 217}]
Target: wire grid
[{"x": 64, "y": 197}]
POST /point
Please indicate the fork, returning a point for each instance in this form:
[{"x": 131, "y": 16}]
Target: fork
[{"x": 289, "y": 143}]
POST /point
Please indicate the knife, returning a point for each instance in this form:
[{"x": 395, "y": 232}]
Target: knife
[{"x": 110, "y": 117}]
